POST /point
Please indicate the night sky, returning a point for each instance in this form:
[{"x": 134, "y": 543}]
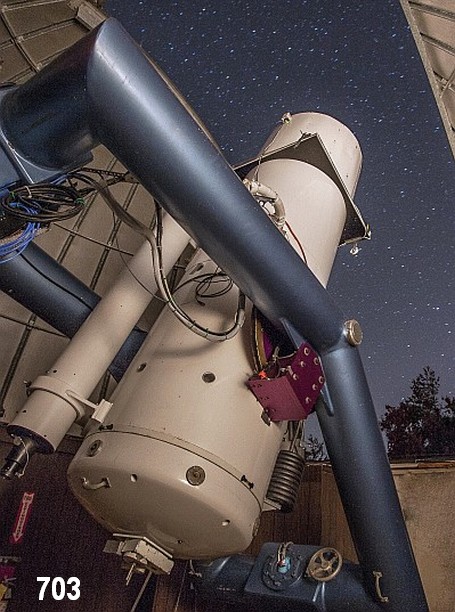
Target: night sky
[{"x": 241, "y": 65}]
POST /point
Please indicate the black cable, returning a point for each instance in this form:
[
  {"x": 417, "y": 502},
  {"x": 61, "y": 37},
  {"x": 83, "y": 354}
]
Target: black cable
[
  {"x": 43, "y": 203},
  {"x": 205, "y": 282},
  {"x": 156, "y": 243}
]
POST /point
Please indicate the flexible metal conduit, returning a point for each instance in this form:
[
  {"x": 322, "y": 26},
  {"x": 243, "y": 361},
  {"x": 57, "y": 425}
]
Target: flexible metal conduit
[{"x": 105, "y": 89}]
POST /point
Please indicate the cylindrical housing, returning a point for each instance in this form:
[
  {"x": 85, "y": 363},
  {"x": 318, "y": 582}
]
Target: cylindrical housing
[
  {"x": 315, "y": 210},
  {"x": 339, "y": 142},
  {"x": 183, "y": 404},
  {"x": 314, "y": 206},
  {"x": 183, "y": 408},
  {"x": 48, "y": 414}
]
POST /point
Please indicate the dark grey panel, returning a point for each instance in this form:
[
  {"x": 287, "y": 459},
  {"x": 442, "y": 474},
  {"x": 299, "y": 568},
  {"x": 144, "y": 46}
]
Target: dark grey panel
[
  {"x": 56, "y": 40},
  {"x": 4, "y": 34},
  {"x": 12, "y": 62},
  {"x": 36, "y": 17}
]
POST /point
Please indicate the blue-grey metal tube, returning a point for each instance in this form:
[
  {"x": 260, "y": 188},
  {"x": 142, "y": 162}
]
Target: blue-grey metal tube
[
  {"x": 38, "y": 282},
  {"x": 104, "y": 89},
  {"x": 365, "y": 483},
  {"x": 33, "y": 276},
  {"x": 117, "y": 97}
]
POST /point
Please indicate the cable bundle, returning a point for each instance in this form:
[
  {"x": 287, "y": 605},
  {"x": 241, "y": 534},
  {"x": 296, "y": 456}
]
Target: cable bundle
[
  {"x": 43, "y": 203},
  {"x": 33, "y": 206},
  {"x": 155, "y": 241},
  {"x": 14, "y": 244}
]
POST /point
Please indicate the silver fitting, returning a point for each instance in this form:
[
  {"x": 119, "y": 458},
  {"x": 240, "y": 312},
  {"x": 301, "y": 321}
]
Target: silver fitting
[
  {"x": 353, "y": 332},
  {"x": 139, "y": 554}
]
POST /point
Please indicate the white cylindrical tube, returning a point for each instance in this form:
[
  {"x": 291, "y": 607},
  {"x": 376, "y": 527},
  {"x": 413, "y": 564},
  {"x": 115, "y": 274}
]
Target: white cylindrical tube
[
  {"x": 339, "y": 142},
  {"x": 49, "y": 413}
]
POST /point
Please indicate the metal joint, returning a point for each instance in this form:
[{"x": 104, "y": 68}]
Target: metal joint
[{"x": 353, "y": 332}]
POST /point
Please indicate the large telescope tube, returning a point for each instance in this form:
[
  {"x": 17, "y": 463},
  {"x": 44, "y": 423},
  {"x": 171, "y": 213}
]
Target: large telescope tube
[{"x": 184, "y": 401}]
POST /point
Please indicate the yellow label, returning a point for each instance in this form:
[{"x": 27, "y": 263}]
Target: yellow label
[{"x": 3, "y": 589}]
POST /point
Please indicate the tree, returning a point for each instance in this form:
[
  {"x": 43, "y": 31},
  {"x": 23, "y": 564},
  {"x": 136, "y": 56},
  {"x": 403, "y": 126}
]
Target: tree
[
  {"x": 422, "y": 425},
  {"x": 314, "y": 450}
]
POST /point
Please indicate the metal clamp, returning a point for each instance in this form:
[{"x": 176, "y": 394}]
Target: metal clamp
[
  {"x": 57, "y": 387},
  {"x": 78, "y": 403},
  {"x": 99, "y": 410}
]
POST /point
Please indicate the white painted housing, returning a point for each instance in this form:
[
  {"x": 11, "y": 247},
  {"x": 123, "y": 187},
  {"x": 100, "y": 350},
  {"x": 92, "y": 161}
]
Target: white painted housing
[{"x": 183, "y": 404}]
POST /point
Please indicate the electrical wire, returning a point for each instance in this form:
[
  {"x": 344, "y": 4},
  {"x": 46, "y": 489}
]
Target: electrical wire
[
  {"x": 112, "y": 177},
  {"x": 35, "y": 206},
  {"x": 109, "y": 247},
  {"x": 205, "y": 282},
  {"x": 156, "y": 245},
  {"x": 14, "y": 245},
  {"x": 294, "y": 235},
  {"x": 43, "y": 203},
  {"x": 175, "y": 308}
]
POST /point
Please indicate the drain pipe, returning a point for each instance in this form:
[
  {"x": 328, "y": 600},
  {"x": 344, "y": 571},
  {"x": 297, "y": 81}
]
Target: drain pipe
[{"x": 105, "y": 89}]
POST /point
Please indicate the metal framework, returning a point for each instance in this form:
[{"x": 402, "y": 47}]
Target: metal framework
[{"x": 432, "y": 24}]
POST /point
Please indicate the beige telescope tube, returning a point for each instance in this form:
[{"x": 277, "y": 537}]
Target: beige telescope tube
[
  {"x": 187, "y": 452},
  {"x": 57, "y": 399}
]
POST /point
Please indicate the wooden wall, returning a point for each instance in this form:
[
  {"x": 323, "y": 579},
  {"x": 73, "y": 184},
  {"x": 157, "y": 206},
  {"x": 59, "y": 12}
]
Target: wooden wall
[{"x": 427, "y": 494}]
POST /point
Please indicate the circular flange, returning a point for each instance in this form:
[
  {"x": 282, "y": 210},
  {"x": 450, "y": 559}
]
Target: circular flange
[
  {"x": 325, "y": 564},
  {"x": 278, "y": 577}
]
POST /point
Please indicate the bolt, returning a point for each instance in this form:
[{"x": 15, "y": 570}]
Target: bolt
[
  {"x": 195, "y": 475},
  {"x": 94, "y": 448},
  {"x": 353, "y": 332}
]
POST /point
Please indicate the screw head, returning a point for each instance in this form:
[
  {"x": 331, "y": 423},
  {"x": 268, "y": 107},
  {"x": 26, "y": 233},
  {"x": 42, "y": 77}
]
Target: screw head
[
  {"x": 208, "y": 377},
  {"x": 94, "y": 448},
  {"x": 195, "y": 475}
]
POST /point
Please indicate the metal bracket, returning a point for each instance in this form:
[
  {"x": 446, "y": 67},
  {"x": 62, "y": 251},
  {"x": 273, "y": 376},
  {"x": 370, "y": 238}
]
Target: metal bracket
[
  {"x": 381, "y": 597},
  {"x": 99, "y": 410},
  {"x": 140, "y": 554},
  {"x": 79, "y": 404}
]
